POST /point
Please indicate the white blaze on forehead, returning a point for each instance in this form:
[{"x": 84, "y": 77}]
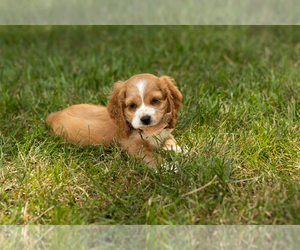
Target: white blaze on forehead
[
  {"x": 141, "y": 87},
  {"x": 143, "y": 110}
]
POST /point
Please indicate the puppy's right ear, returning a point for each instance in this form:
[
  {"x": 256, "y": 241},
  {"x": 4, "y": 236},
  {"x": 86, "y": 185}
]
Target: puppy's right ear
[{"x": 115, "y": 108}]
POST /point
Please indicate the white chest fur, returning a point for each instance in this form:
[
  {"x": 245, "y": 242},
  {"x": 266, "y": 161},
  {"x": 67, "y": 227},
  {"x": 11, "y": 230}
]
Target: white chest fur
[{"x": 157, "y": 140}]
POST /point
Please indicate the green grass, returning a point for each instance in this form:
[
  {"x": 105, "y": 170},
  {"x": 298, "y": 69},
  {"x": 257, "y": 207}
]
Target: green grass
[
  {"x": 167, "y": 12},
  {"x": 239, "y": 120}
]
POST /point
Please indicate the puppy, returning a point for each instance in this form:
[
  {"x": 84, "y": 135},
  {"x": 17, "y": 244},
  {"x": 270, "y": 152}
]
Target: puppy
[{"x": 141, "y": 101}]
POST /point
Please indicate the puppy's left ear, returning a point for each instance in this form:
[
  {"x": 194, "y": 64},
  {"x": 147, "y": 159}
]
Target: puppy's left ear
[{"x": 174, "y": 98}]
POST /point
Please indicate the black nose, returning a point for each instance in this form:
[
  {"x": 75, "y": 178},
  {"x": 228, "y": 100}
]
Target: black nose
[{"x": 146, "y": 120}]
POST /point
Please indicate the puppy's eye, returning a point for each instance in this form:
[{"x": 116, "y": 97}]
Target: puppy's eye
[
  {"x": 154, "y": 101},
  {"x": 132, "y": 106}
]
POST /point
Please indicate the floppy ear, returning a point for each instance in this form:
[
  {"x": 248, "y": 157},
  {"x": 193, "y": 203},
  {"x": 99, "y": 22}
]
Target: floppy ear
[
  {"x": 115, "y": 108},
  {"x": 174, "y": 98}
]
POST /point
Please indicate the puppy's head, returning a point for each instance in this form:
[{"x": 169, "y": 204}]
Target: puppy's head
[{"x": 142, "y": 101}]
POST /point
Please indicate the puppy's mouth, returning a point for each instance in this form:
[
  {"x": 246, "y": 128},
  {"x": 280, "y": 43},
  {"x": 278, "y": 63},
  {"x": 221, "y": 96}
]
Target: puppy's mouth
[{"x": 147, "y": 125}]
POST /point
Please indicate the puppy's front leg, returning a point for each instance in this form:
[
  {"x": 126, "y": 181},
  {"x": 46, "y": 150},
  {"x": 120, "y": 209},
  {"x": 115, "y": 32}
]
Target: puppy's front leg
[
  {"x": 170, "y": 144},
  {"x": 141, "y": 150}
]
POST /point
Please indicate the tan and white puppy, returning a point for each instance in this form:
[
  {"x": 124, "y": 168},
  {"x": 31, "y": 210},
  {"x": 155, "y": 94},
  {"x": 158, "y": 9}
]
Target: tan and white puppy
[{"x": 141, "y": 101}]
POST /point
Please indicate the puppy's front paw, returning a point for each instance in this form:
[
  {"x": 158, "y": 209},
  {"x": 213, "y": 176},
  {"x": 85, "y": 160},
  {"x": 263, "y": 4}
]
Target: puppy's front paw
[
  {"x": 170, "y": 167},
  {"x": 177, "y": 149}
]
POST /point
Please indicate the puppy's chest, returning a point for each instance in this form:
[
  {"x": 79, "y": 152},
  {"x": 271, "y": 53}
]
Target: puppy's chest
[{"x": 157, "y": 140}]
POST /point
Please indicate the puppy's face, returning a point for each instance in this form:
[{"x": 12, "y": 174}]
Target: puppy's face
[
  {"x": 143, "y": 100},
  {"x": 145, "y": 103}
]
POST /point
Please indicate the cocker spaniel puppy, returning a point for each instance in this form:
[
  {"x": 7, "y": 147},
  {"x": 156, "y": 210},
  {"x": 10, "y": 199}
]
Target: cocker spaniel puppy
[{"x": 141, "y": 101}]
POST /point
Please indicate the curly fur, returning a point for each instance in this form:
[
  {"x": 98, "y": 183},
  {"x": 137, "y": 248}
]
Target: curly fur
[{"x": 174, "y": 98}]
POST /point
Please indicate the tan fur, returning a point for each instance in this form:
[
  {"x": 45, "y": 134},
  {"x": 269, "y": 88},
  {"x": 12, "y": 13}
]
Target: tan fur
[
  {"x": 84, "y": 124},
  {"x": 90, "y": 124},
  {"x": 173, "y": 97}
]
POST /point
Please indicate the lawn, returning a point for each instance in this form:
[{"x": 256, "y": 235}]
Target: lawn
[{"x": 239, "y": 121}]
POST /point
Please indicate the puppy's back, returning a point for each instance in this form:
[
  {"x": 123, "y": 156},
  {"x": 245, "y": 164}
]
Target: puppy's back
[{"x": 83, "y": 124}]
